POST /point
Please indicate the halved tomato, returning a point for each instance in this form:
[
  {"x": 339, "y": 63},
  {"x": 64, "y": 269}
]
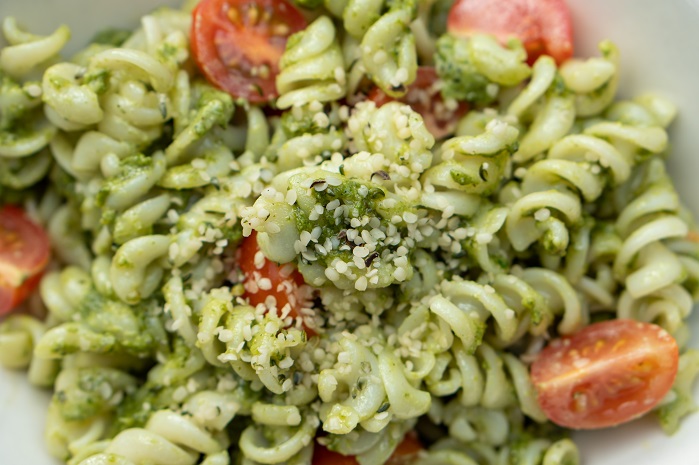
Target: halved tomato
[
  {"x": 425, "y": 99},
  {"x": 24, "y": 253},
  {"x": 543, "y": 26},
  {"x": 608, "y": 373},
  {"x": 237, "y": 44},
  {"x": 263, "y": 278}
]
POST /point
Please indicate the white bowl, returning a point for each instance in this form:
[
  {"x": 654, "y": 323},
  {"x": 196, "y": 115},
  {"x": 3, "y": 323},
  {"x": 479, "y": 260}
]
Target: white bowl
[{"x": 657, "y": 40}]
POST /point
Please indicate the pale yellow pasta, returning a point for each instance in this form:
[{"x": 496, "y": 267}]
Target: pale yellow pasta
[
  {"x": 313, "y": 68},
  {"x": 27, "y": 51}
]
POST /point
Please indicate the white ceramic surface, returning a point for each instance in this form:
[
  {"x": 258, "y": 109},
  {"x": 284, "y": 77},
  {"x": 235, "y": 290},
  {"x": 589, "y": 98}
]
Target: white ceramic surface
[{"x": 659, "y": 41}]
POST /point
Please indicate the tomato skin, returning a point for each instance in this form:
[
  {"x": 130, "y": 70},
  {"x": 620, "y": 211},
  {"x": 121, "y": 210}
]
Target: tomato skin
[
  {"x": 24, "y": 253},
  {"x": 404, "y": 454},
  {"x": 237, "y": 44},
  {"x": 424, "y": 100},
  {"x": 285, "y": 280},
  {"x": 608, "y": 373},
  {"x": 543, "y": 26}
]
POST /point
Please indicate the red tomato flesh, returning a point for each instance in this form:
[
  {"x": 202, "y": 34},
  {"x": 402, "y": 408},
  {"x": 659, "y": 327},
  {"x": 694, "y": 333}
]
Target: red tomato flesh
[
  {"x": 324, "y": 456},
  {"x": 425, "y": 99},
  {"x": 263, "y": 279},
  {"x": 543, "y": 26},
  {"x": 24, "y": 253},
  {"x": 237, "y": 44},
  {"x": 405, "y": 453},
  {"x": 608, "y": 373}
]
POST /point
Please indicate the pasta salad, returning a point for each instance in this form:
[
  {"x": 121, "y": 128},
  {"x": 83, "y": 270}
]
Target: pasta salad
[{"x": 339, "y": 232}]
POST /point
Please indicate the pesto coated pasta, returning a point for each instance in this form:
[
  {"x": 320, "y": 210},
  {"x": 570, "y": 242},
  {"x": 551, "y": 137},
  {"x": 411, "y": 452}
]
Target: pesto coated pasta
[{"x": 245, "y": 283}]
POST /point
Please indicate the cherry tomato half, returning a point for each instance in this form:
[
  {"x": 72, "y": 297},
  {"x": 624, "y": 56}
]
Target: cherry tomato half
[
  {"x": 404, "y": 454},
  {"x": 543, "y": 26},
  {"x": 425, "y": 99},
  {"x": 237, "y": 44},
  {"x": 264, "y": 278},
  {"x": 24, "y": 253},
  {"x": 608, "y": 373}
]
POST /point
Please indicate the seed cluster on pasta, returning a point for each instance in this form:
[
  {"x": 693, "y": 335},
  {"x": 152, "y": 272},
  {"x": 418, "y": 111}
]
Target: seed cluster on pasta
[{"x": 435, "y": 268}]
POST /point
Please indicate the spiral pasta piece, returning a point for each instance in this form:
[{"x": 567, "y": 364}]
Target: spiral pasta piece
[
  {"x": 553, "y": 120},
  {"x": 391, "y": 143},
  {"x": 306, "y": 135},
  {"x": 312, "y": 67},
  {"x": 470, "y": 167},
  {"x": 503, "y": 382},
  {"x": 594, "y": 81},
  {"x": 138, "y": 128},
  {"x": 363, "y": 375},
  {"x": 66, "y": 438},
  {"x": 28, "y": 51},
  {"x": 115, "y": 327},
  {"x": 86, "y": 392},
  {"x": 526, "y": 448},
  {"x": 289, "y": 442},
  {"x": 133, "y": 273},
  {"x": 24, "y": 173},
  {"x": 19, "y": 334},
  {"x": 23, "y": 158},
  {"x": 22, "y": 147},
  {"x": 388, "y": 51},
  {"x": 71, "y": 104},
  {"x": 474, "y": 164},
  {"x": 466, "y": 305},
  {"x": 168, "y": 438},
  {"x": 264, "y": 351}
]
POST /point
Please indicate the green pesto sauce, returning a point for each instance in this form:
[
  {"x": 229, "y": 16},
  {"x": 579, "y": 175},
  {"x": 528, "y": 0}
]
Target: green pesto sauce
[
  {"x": 293, "y": 126},
  {"x": 213, "y": 113},
  {"x": 152, "y": 396},
  {"x": 462, "y": 81},
  {"x": 108, "y": 216},
  {"x": 11, "y": 90},
  {"x": 131, "y": 412},
  {"x": 359, "y": 206},
  {"x": 85, "y": 398},
  {"x": 463, "y": 179},
  {"x": 478, "y": 330},
  {"x": 501, "y": 260},
  {"x": 559, "y": 87},
  {"x": 266, "y": 340},
  {"x": 65, "y": 184},
  {"x": 15, "y": 135},
  {"x": 129, "y": 325},
  {"x": 223, "y": 111},
  {"x": 131, "y": 166},
  {"x": 98, "y": 81},
  {"x": 167, "y": 51},
  {"x": 58, "y": 82},
  {"x": 233, "y": 233}
]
